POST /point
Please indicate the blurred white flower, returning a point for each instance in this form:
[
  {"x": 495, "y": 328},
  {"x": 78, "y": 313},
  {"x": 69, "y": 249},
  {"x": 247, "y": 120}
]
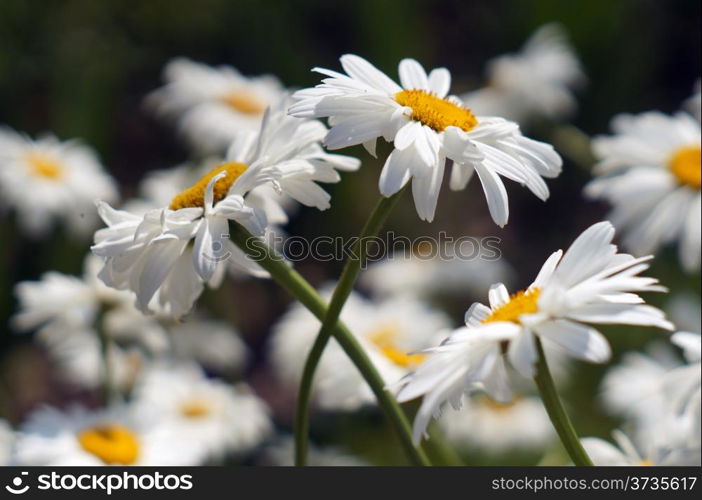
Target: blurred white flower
[
  {"x": 44, "y": 180},
  {"x": 427, "y": 128},
  {"x": 590, "y": 283},
  {"x": 213, "y": 104},
  {"x": 282, "y": 452},
  {"x": 195, "y": 410},
  {"x": 693, "y": 104},
  {"x": 7, "y": 442},
  {"x": 115, "y": 436},
  {"x": 649, "y": 171},
  {"x": 498, "y": 427},
  {"x": 391, "y": 332},
  {"x": 535, "y": 82},
  {"x": 682, "y": 385},
  {"x": 658, "y": 449},
  {"x": 168, "y": 254}
]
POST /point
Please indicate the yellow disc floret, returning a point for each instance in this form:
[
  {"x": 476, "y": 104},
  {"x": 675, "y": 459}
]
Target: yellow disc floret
[
  {"x": 41, "y": 165},
  {"x": 194, "y": 196},
  {"x": 522, "y": 302},
  {"x": 685, "y": 166},
  {"x": 435, "y": 112},
  {"x": 195, "y": 409},
  {"x": 114, "y": 444},
  {"x": 244, "y": 102},
  {"x": 385, "y": 339}
]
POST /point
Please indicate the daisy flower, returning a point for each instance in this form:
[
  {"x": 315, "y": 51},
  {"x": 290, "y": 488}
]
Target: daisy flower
[
  {"x": 63, "y": 178},
  {"x": 649, "y": 171},
  {"x": 682, "y": 385},
  {"x": 213, "y": 104},
  {"x": 193, "y": 409},
  {"x": 590, "y": 283},
  {"x": 535, "y": 82},
  {"x": 427, "y": 127},
  {"x": 167, "y": 255},
  {"x": 656, "y": 450},
  {"x": 114, "y": 436},
  {"x": 391, "y": 332},
  {"x": 498, "y": 427}
]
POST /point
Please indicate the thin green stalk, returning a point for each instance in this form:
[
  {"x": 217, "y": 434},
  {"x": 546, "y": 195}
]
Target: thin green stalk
[
  {"x": 556, "y": 412},
  {"x": 341, "y": 293},
  {"x": 108, "y": 386},
  {"x": 439, "y": 447},
  {"x": 299, "y": 288}
]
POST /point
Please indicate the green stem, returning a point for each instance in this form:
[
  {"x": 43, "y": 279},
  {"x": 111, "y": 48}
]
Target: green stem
[
  {"x": 556, "y": 412},
  {"x": 342, "y": 291},
  {"x": 108, "y": 386},
  {"x": 297, "y": 286},
  {"x": 439, "y": 447}
]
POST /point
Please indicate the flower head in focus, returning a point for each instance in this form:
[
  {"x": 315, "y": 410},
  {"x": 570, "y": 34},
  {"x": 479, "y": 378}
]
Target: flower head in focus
[
  {"x": 427, "y": 127},
  {"x": 45, "y": 179},
  {"x": 213, "y": 104},
  {"x": 590, "y": 283},
  {"x": 168, "y": 254},
  {"x": 649, "y": 171}
]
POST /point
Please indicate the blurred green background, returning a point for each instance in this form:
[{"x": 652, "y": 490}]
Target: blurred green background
[{"x": 81, "y": 68}]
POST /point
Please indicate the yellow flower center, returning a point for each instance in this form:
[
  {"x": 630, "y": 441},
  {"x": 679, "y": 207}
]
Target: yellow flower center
[
  {"x": 194, "y": 196},
  {"x": 645, "y": 462},
  {"x": 435, "y": 112},
  {"x": 385, "y": 339},
  {"x": 195, "y": 409},
  {"x": 493, "y": 405},
  {"x": 44, "y": 166},
  {"x": 244, "y": 102},
  {"x": 522, "y": 302},
  {"x": 114, "y": 444},
  {"x": 685, "y": 165}
]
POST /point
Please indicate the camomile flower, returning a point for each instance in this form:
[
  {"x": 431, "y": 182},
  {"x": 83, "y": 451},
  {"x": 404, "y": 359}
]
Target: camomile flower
[
  {"x": 114, "y": 436},
  {"x": 657, "y": 449},
  {"x": 498, "y": 427},
  {"x": 44, "y": 180},
  {"x": 590, "y": 283},
  {"x": 649, "y": 171},
  {"x": 391, "y": 332},
  {"x": 682, "y": 385},
  {"x": 167, "y": 255},
  {"x": 427, "y": 127},
  {"x": 213, "y": 104},
  {"x": 535, "y": 82},
  {"x": 281, "y": 454},
  {"x": 7, "y": 439},
  {"x": 192, "y": 408}
]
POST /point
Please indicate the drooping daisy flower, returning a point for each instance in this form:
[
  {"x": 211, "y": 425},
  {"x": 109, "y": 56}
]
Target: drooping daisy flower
[
  {"x": 81, "y": 437},
  {"x": 391, "y": 332},
  {"x": 44, "y": 180},
  {"x": 535, "y": 82},
  {"x": 649, "y": 171},
  {"x": 658, "y": 449},
  {"x": 213, "y": 104},
  {"x": 281, "y": 454},
  {"x": 427, "y": 127},
  {"x": 167, "y": 255},
  {"x": 194, "y": 409},
  {"x": 498, "y": 427},
  {"x": 590, "y": 283}
]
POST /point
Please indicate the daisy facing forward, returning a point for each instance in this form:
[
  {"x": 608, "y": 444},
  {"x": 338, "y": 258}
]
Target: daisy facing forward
[
  {"x": 63, "y": 178},
  {"x": 213, "y": 104},
  {"x": 428, "y": 127},
  {"x": 168, "y": 254},
  {"x": 590, "y": 283},
  {"x": 649, "y": 171}
]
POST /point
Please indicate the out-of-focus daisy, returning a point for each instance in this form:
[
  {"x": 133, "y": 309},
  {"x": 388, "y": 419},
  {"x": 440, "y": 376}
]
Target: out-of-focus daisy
[
  {"x": 590, "y": 283},
  {"x": 281, "y": 453},
  {"x": 213, "y": 104},
  {"x": 81, "y": 437},
  {"x": 7, "y": 440},
  {"x": 167, "y": 255},
  {"x": 391, "y": 332},
  {"x": 498, "y": 427},
  {"x": 682, "y": 385},
  {"x": 194, "y": 409},
  {"x": 657, "y": 450},
  {"x": 535, "y": 82},
  {"x": 693, "y": 104},
  {"x": 45, "y": 179},
  {"x": 427, "y": 127},
  {"x": 649, "y": 171}
]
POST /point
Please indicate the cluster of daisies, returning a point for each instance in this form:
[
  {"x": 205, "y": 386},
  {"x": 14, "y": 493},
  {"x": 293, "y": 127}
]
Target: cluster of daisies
[{"x": 169, "y": 379}]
